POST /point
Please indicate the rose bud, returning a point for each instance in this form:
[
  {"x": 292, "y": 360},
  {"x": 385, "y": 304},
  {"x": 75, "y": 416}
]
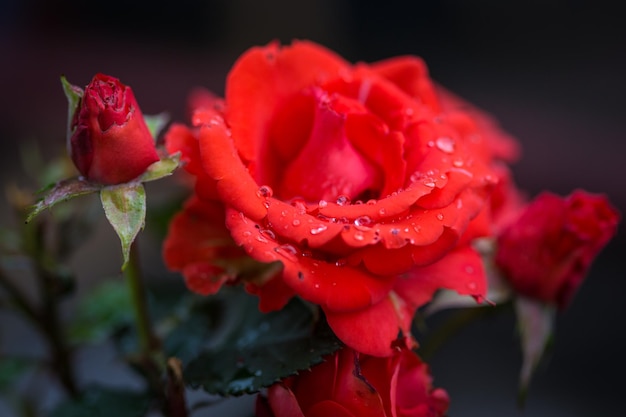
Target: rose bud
[
  {"x": 110, "y": 141},
  {"x": 546, "y": 253},
  {"x": 351, "y": 384}
]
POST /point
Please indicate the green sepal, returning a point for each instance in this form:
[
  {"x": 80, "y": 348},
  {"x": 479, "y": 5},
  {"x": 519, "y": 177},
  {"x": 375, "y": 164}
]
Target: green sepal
[
  {"x": 162, "y": 168},
  {"x": 535, "y": 320},
  {"x": 125, "y": 207},
  {"x": 156, "y": 123},
  {"x": 62, "y": 191},
  {"x": 74, "y": 95}
]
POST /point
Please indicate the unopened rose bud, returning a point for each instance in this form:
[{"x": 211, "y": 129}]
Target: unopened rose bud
[{"x": 110, "y": 142}]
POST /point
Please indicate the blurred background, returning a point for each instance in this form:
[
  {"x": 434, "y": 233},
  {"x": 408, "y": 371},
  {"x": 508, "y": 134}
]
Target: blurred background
[{"x": 551, "y": 71}]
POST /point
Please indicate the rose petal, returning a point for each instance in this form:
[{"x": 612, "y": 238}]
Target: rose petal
[
  {"x": 460, "y": 270},
  {"x": 283, "y": 402},
  {"x": 335, "y": 288},
  {"x": 410, "y": 74},
  {"x": 266, "y": 76},
  {"x": 222, "y": 163},
  {"x": 372, "y": 331}
]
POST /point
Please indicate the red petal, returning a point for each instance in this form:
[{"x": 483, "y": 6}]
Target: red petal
[
  {"x": 410, "y": 74},
  {"x": 372, "y": 330},
  {"x": 460, "y": 270},
  {"x": 334, "y": 288},
  {"x": 282, "y": 402},
  {"x": 263, "y": 78},
  {"x": 221, "y": 161},
  {"x": 204, "y": 278}
]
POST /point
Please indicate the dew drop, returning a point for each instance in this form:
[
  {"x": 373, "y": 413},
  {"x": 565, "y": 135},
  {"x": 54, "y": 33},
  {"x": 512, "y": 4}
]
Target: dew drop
[
  {"x": 362, "y": 221},
  {"x": 341, "y": 262},
  {"x": 265, "y": 191},
  {"x": 382, "y": 211},
  {"x": 457, "y": 162},
  {"x": 267, "y": 233},
  {"x": 247, "y": 233},
  {"x": 429, "y": 183},
  {"x": 439, "y": 216},
  {"x": 342, "y": 200},
  {"x": 296, "y": 222},
  {"x": 288, "y": 251},
  {"x": 430, "y": 143},
  {"x": 317, "y": 285},
  {"x": 318, "y": 230},
  {"x": 322, "y": 203},
  {"x": 445, "y": 144},
  {"x": 472, "y": 286},
  {"x": 359, "y": 236}
]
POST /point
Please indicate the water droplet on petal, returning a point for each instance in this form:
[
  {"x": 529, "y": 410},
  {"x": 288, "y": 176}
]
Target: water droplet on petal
[
  {"x": 247, "y": 233},
  {"x": 439, "y": 216},
  {"x": 358, "y": 236},
  {"x": 382, "y": 211},
  {"x": 362, "y": 221},
  {"x": 342, "y": 200},
  {"x": 429, "y": 183},
  {"x": 288, "y": 251},
  {"x": 472, "y": 286},
  {"x": 445, "y": 144},
  {"x": 457, "y": 162},
  {"x": 322, "y": 203},
  {"x": 296, "y": 222},
  {"x": 265, "y": 191},
  {"x": 319, "y": 229},
  {"x": 267, "y": 233}
]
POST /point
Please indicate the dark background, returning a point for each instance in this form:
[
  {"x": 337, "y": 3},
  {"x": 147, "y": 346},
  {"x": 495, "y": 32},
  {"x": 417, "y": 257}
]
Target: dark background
[{"x": 551, "y": 71}]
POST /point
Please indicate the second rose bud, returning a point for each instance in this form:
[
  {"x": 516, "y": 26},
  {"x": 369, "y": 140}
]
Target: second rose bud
[{"x": 109, "y": 140}]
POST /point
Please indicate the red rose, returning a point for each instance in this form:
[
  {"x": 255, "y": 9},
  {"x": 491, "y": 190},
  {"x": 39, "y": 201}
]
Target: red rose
[
  {"x": 350, "y": 384},
  {"x": 546, "y": 253},
  {"x": 356, "y": 178},
  {"x": 110, "y": 142}
]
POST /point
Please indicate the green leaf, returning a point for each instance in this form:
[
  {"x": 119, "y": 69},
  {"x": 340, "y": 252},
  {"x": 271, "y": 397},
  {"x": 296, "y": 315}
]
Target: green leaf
[
  {"x": 125, "y": 208},
  {"x": 161, "y": 168},
  {"x": 101, "y": 313},
  {"x": 156, "y": 123},
  {"x": 104, "y": 402},
  {"x": 536, "y": 323},
  {"x": 260, "y": 349},
  {"x": 74, "y": 95},
  {"x": 62, "y": 191}
]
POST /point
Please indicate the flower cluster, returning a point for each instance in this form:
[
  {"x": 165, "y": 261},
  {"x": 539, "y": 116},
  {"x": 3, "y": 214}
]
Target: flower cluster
[{"x": 362, "y": 189}]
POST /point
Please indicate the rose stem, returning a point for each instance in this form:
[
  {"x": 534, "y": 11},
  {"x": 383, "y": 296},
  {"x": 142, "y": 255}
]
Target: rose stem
[{"x": 147, "y": 340}]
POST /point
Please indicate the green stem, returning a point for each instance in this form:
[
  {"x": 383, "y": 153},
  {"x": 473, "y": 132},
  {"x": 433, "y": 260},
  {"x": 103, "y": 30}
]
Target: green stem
[{"x": 147, "y": 340}]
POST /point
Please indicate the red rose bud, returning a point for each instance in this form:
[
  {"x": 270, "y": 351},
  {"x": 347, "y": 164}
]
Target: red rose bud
[
  {"x": 110, "y": 141},
  {"x": 547, "y": 252},
  {"x": 350, "y": 384}
]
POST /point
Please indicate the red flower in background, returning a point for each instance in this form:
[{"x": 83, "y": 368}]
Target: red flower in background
[
  {"x": 350, "y": 384},
  {"x": 361, "y": 180},
  {"x": 546, "y": 253},
  {"x": 110, "y": 142}
]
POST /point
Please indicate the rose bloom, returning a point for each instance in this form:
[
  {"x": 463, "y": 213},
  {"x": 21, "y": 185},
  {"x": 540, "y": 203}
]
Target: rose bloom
[
  {"x": 360, "y": 181},
  {"x": 546, "y": 253},
  {"x": 110, "y": 142},
  {"x": 350, "y": 384}
]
